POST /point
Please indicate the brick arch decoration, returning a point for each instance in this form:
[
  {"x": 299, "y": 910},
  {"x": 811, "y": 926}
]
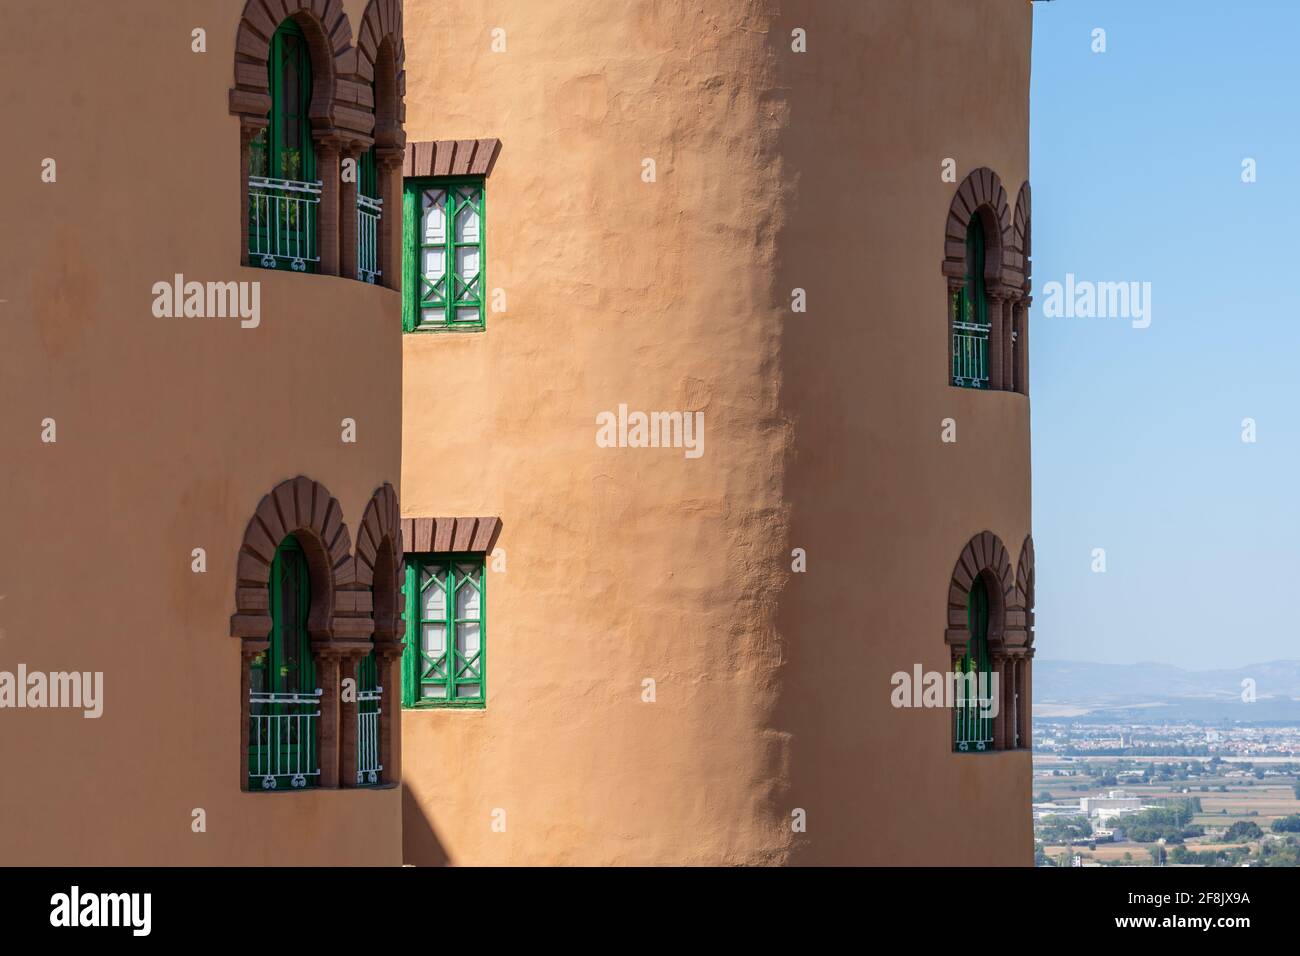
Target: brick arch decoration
[
  {"x": 980, "y": 193},
  {"x": 985, "y": 555},
  {"x": 379, "y": 559},
  {"x": 379, "y": 570},
  {"x": 1022, "y": 237},
  {"x": 1024, "y": 597},
  {"x": 342, "y": 110},
  {"x": 381, "y": 67},
  {"x": 305, "y": 508}
]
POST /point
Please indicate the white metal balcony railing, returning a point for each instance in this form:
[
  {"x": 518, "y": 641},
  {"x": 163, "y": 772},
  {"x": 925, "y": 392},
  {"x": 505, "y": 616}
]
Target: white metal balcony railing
[
  {"x": 282, "y": 738},
  {"x": 369, "y": 212},
  {"x": 973, "y": 730},
  {"x": 970, "y": 355},
  {"x": 368, "y": 706},
  {"x": 282, "y": 215}
]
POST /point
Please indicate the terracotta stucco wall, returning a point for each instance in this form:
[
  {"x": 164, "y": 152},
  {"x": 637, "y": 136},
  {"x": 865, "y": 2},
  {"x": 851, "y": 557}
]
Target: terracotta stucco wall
[
  {"x": 169, "y": 432},
  {"x": 775, "y": 170}
]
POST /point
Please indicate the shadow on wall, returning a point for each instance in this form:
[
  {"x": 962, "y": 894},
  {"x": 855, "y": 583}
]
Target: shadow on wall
[
  {"x": 419, "y": 841},
  {"x": 871, "y": 780}
]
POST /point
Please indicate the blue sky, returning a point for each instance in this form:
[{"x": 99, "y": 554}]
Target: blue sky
[{"x": 1136, "y": 161}]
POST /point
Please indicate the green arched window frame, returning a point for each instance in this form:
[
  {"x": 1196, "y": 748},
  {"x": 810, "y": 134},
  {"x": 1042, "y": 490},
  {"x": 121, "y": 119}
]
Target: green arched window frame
[
  {"x": 974, "y": 728},
  {"x": 969, "y": 314},
  {"x": 284, "y": 192}
]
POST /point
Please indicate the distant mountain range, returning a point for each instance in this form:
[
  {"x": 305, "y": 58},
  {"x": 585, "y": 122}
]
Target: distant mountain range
[{"x": 1159, "y": 693}]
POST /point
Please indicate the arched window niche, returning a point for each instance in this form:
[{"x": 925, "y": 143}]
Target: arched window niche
[
  {"x": 989, "y": 637},
  {"x": 284, "y": 191},
  {"x": 983, "y": 285},
  {"x": 972, "y": 711},
  {"x": 284, "y": 701},
  {"x": 970, "y": 315}
]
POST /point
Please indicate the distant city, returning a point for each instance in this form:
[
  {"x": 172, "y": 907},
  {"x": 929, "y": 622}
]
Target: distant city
[{"x": 1152, "y": 765}]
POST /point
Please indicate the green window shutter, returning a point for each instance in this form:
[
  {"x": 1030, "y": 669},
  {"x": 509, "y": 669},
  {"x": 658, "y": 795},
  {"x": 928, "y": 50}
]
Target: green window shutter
[
  {"x": 411, "y": 576},
  {"x": 410, "y": 254},
  {"x": 445, "y": 660},
  {"x": 446, "y": 254}
]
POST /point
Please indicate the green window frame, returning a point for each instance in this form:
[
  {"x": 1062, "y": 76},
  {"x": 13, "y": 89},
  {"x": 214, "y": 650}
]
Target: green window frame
[
  {"x": 969, "y": 315},
  {"x": 444, "y": 663},
  {"x": 974, "y": 730},
  {"x": 444, "y": 254}
]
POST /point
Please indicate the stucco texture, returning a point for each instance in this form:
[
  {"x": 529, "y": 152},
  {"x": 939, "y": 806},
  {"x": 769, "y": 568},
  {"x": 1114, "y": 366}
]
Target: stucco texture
[
  {"x": 774, "y": 171},
  {"x": 169, "y": 431}
]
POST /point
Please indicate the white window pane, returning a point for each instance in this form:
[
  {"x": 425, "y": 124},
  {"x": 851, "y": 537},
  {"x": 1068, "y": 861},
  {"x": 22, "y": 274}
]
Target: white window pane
[
  {"x": 467, "y": 639},
  {"x": 467, "y": 262},
  {"x": 468, "y": 690},
  {"x": 437, "y": 691},
  {"x": 435, "y": 639},
  {"x": 469, "y": 314},
  {"x": 467, "y": 600},
  {"x": 435, "y": 263},
  {"x": 435, "y": 216},
  {"x": 435, "y": 596},
  {"x": 467, "y": 224},
  {"x": 433, "y": 316}
]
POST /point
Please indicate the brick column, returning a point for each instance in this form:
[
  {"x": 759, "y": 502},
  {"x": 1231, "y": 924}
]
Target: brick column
[
  {"x": 1000, "y": 722},
  {"x": 1026, "y": 699},
  {"x": 1022, "y": 365},
  {"x": 327, "y": 223},
  {"x": 389, "y": 161},
  {"x": 997, "y": 368},
  {"x": 327, "y": 676},
  {"x": 388, "y": 655},
  {"x": 1008, "y": 347},
  {"x": 1008, "y": 690},
  {"x": 247, "y": 651},
  {"x": 348, "y": 213},
  {"x": 348, "y": 722}
]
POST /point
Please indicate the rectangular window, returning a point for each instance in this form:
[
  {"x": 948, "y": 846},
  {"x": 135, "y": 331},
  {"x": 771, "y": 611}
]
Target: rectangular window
[
  {"x": 444, "y": 255},
  {"x": 444, "y": 663}
]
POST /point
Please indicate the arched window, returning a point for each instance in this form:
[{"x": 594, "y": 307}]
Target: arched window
[
  {"x": 283, "y": 191},
  {"x": 974, "y": 730},
  {"x": 970, "y": 315},
  {"x": 284, "y": 702}
]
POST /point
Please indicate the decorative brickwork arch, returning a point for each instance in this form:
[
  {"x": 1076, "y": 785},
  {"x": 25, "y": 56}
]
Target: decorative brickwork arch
[
  {"x": 379, "y": 569},
  {"x": 985, "y": 558},
  {"x": 1022, "y": 237},
  {"x": 381, "y": 65},
  {"x": 980, "y": 194},
  {"x": 1024, "y": 600},
  {"x": 329, "y": 40},
  {"x": 1020, "y": 664},
  {"x": 305, "y": 509},
  {"x": 342, "y": 112},
  {"x": 981, "y": 201},
  {"x": 1021, "y": 270},
  {"x": 379, "y": 559}
]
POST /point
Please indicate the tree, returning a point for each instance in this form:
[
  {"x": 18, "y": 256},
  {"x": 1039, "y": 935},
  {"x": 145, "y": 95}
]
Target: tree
[
  {"x": 1242, "y": 830},
  {"x": 1289, "y": 824}
]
